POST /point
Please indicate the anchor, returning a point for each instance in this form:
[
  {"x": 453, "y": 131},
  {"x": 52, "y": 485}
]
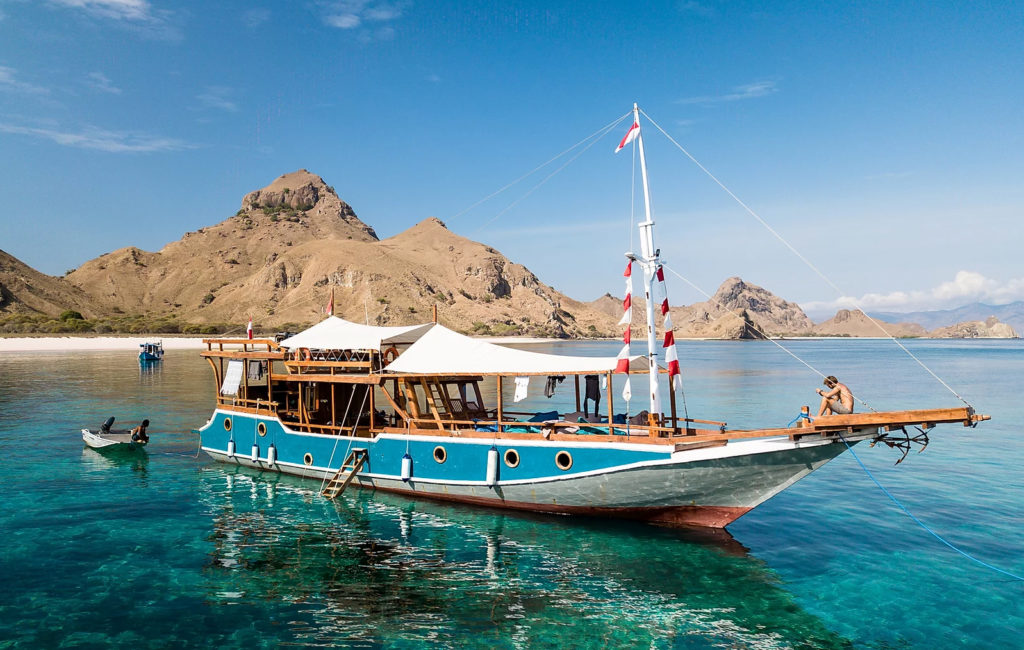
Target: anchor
[{"x": 905, "y": 443}]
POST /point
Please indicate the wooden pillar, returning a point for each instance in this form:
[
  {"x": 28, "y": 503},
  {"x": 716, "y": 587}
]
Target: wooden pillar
[
  {"x": 373, "y": 410},
  {"x": 435, "y": 312},
  {"x": 500, "y": 405},
  {"x": 577, "y": 378}
]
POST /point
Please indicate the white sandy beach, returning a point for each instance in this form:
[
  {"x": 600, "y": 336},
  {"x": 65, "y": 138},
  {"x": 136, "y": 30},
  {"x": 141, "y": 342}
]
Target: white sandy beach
[{"x": 72, "y": 343}]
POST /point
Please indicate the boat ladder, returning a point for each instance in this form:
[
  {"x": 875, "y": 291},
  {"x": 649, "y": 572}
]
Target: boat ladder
[{"x": 346, "y": 473}]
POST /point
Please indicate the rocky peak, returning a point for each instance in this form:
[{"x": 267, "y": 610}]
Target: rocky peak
[
  {"x": 304, "y": 192},
  {"x": 300, "y": 190}
]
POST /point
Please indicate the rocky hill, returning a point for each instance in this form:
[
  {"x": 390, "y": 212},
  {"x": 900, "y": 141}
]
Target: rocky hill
[
  {"x": 741, "y": 310},
  {"x": 855, "y": 323},
  {"x": 990, "y": 328},
  {"x": 25, "y": 290},
  {"x": 295, "y": 241}
]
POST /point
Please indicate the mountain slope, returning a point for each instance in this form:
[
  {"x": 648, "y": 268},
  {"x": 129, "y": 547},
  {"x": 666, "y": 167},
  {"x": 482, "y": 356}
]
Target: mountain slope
[{"x": 25, "y": 290}]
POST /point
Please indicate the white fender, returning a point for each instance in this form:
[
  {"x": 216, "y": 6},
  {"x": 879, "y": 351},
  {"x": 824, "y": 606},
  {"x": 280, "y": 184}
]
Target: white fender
[
  {"x": 231, "y": 448},
  {"x": 271, "y": 455},
  {"x": 255, "y": 453},
  {"x": 492, "y": 466},
  {"x": 406, "y": 467}
]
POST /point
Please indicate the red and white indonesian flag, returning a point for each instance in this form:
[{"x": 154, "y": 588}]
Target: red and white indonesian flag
[
  {"x": 629, "y": 137},
  {"x": 248, "y": 328}
]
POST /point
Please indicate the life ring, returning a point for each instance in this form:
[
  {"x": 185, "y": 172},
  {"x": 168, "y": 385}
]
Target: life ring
[
  {"x": 390, "y": 354},
  {"x": 305, "y": 354}
]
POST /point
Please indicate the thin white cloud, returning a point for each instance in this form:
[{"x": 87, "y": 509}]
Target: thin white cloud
[
  {"x": 746, "y": 91},
  {"x": 138, "y": 15},
  {"x": 138, "y": 10},
  {"x": 966, "y": 287},
  {"x": 218, "y": 97},
  {"x": 368, "y": 16},
  {"x": 9, "y": 82},
  {"x": 696, "y": 8},
  {"x": 255, "y": 17},
  {"x": 99, "y": 81},
  {"x": 92, "y": 137},
  {"x": 433, "y": 78},
  {"x": 343, "y": 21}
]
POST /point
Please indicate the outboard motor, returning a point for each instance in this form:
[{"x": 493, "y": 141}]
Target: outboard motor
[{"x": 105, "y": 428}]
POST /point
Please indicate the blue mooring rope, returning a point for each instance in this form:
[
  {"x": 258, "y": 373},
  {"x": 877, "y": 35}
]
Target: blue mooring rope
[{"x": 921, "y": 523}]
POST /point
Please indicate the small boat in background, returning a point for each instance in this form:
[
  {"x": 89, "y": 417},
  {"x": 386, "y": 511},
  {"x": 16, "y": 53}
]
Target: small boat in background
[
  {"x": 107, "y": 439},
  {"x": 151, "y": 351}
]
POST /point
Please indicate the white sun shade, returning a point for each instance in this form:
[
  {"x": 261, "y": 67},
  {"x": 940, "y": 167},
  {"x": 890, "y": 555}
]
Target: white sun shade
[
  {"x": 444, "y": 352},
  {"x": 335, "y": 333}
]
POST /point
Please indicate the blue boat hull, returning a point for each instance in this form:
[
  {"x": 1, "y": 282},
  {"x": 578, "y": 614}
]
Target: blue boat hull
[{"x": 651, "y": 482}]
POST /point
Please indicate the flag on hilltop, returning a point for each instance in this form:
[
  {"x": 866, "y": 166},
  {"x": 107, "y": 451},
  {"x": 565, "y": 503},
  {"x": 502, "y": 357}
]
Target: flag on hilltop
[
  {"x": 629, "y": 137},
  {"x": 248, "y": 328}
]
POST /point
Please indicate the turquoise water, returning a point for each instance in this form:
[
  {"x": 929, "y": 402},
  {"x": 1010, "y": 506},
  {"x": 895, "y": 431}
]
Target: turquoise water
[{"x": 164, "y": 549}]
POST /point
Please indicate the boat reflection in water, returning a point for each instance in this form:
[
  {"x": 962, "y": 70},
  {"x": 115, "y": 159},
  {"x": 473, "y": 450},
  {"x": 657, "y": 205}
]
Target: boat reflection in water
[{"x": 376, "y": 568}]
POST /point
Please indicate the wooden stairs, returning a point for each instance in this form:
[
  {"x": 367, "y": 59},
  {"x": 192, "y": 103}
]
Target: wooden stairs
[{"x": 345, "y": 474}]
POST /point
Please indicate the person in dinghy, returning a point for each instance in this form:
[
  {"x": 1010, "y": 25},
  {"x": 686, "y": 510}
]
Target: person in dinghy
[{"x": 139, "y": 433}]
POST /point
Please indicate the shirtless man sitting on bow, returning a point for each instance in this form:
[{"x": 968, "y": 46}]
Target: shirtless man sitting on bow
[{"x": 837, "y": 400}]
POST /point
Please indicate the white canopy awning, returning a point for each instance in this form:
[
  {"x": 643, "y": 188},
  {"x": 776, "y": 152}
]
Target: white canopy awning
[
  {"x": 335, "y": 333},
  {"x": 444, "y": 352}
]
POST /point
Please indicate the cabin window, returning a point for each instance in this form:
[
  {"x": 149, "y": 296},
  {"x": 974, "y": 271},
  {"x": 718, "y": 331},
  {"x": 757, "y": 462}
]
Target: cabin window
[
  {"x": 261, "y": 428},
  {"x": 440, "y": 455},
  {"x": 512, "y": 458},
  {"x": 563, "y": 460},
  {"x": 307, "y": 459},
  {"x": 227, "y": 424}
]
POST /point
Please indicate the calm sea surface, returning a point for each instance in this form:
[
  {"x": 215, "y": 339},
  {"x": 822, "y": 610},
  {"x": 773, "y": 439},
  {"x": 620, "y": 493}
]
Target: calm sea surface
[{"x": 164, "y": 549}]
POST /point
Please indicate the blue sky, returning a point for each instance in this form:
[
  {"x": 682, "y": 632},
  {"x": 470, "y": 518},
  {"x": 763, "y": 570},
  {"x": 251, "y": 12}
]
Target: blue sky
[{"x": 882, "y": 140}]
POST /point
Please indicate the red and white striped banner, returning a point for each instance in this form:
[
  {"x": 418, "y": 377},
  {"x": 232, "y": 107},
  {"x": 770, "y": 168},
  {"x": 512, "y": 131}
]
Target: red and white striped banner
[
  {"x": 669, "y": 346},
  {"x": 622, "y": 363}
]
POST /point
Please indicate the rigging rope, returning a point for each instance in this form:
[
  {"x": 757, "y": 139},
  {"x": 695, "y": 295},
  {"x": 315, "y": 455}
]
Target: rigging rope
[
  {"x": 533, "y": 189},
  {"x": 921, "y": 523},
  {"x": 602, "y": 131},
  {"x": 828, "y": 281},
  {"x": 761, "y": 332}
]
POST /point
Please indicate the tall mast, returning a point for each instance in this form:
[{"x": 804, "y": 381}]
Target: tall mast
[{"x": 649, "y": 260}]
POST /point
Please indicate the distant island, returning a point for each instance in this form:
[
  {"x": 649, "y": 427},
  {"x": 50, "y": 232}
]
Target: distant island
[{"x": 292, "y": 243}]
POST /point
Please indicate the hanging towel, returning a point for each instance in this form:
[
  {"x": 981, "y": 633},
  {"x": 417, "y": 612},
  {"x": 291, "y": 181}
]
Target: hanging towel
[
  {"x": 549, "y": 386},
  {"x": 604, "y": 382},
  {"x": 592, "y": 392},
  {"x": 522, "y": 384}
]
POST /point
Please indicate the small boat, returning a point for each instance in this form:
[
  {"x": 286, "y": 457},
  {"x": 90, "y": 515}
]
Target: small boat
[
  {"x": 107, "y": 439},
  {"x": 151, "y": 351}
]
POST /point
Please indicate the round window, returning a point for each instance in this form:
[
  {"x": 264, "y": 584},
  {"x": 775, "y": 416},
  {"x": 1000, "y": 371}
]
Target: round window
[
  {"x": 261, "y": 428},
  {"x": 564, "y": 460},
  {"x": 512, "y": 458},
  {"x": 227, "y": 424},
  {"x": 440, "y": 455},
  {"x": 308, "y": 458}
]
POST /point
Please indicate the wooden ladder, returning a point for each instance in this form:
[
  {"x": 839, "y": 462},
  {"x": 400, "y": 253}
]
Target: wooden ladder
[{"x": 345, "y": 474}]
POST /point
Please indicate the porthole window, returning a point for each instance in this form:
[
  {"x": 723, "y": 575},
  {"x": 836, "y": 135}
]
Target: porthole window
[
  {"x": 564, "y": 460},
  {"x": 440, "y": 455},
  {"x": 512, "y": 458},
  {"x": 227, "y": 424},
  {"x": 308, "y": 458},
  {"x": 261, "y": 428}
]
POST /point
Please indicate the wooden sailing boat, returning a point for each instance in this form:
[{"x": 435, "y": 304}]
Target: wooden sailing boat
[{"x": 421, "y": 410}]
